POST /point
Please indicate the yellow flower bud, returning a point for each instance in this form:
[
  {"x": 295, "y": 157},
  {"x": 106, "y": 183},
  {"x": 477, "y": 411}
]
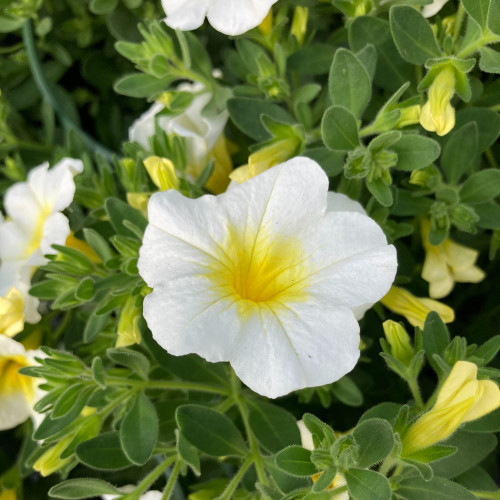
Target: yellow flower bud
[
  {"x": 447, "y": 263},
  {"x": 409, "y": 116},
  {"x": 448, "y": 24},
  {"x": 265, "y": 158},
  {"x": 415, "y": 309},
  {"x": 139, "y": 201},
  {"x": 162, "y": 173},
  {"x": 399, "y": 341},
  {"x": 83, "y": 246},
  {"x": 12, "y": 313},
  {"x": 128, "y": 325},
  {"x": 50, "y": 462},
  {"x": 437, "y": 114},
  {"x": 299, "y": 23},
  {"x": 462, "y": 398}
]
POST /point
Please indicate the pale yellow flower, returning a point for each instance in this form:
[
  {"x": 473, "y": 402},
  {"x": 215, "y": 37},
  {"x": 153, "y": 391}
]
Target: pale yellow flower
[
  {"x": 162, "y": 173},
  {"x": 8, "y": 495},
  {"x": 399, "y": 341},
  {"x": 462, "y": 398},
  {"x": 12, "y": 313},
  {"x": 437, "y": 114},
  {"x": 415, "y": 309},
  {"x": 447, "y": 263},
  {"x": 139, "y": 201}
]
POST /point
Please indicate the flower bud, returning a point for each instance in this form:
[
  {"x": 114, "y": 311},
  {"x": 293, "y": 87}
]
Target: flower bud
[
  {"x": 266, "y": 26},
  {"x": 399, "y": 341},
  {"x": 139, "y": 201},
  {"x": 299, "y": 23},
  {"x": 162, "y": 173},
  {"x": 409, "y": 116},
  {"x": 128, "y": 324},
  {"x": 437, "y": 114}
]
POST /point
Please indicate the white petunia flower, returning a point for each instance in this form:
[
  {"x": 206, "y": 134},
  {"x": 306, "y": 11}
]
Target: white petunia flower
[
  {"x": 264, "y": 277},
  {"x": 34, "y": 223},
  {"x": 18, "y": 393},
  {"x": 202, "y": 134},
  {"x": 231, "y": 17}
]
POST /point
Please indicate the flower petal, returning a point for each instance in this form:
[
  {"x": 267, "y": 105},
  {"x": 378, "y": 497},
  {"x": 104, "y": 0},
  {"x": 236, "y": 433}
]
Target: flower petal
[{"x": 185, "y": 15}]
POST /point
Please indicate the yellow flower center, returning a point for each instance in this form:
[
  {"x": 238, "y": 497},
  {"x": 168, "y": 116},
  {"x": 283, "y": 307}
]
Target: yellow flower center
[
  {"x": 263, "y": 269},
  {"x": 12, "y": 381}
]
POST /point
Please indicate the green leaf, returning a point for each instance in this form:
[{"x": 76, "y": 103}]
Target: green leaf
[
  {"x": 381, "y": 192},
  {"x": 188, "y": 453},
  {"x": 332, "y": 162},
  {"x": 412, "y": 34},
  {"x": 368, "y": 57},
  {"x": 339, "y": 129},
  {"x": 460, "y": 152},
  {"x": 82, "y": 488},
  {"x": 435, "y": 338},
  {"x": 490, "y": 60},
  {"x": 139, "y": 431},
  {"x": 481, "y": 186},
  {"x": 103, "y": 452},
  {"x": 94, "y": 326},
  {"x": 416, "y": 488},
  {"x": 71, "y": 401},
  {"x": 274, "y": 427},
  {"x": 118, "y": 211},
  {"x": 246, "y": 113},
  {"x": 349, "y": 84},
  {"x": 432, "y": 453},
  {"x": 141, "y": 85},
  {"x": 85, "y": 290},
  {"x": 365, "y": 484},
  {"x": 8, "y": 24},
  {"x": 98, "y": 244},
  {"x": 315, "y": 59},
  {"x": 102, "y": 7},
  {"x": 295, "y": 461},
  {"x": 472, "y": 448},
  {"x": 487, "y": 121},
  {"x": 489, "y": 215},
  {"x": 488, "y": 350},
  {"x": 134, "y": 360},
  {"x": 375, "y": 439},
  {"x": 415, "y": 152},
  {"x": 423, "y": 469},
  {"x": 324, "y": 480},
  {"x": 346, "y": 391},
  {"x": 478, "y": 10},
  {"x": 493, "y": 21},
  {"x": 387, "y": 411},
  {"x": 210, "y": 431},
  {"x": 392, "y": 71}
]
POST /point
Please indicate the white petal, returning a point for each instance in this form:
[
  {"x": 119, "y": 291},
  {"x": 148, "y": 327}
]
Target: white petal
[
  {"x": 339, "y": 202},
  {"x": 23, "y": 207},
  {"x": 433, "y": 8},
  {"x": 14, "y": 410},
  {"x": 144, "y": 127},
  {"x": 185, "y": 15},
  {"x": 55, "y": 232},
  {"x": 295, "y": 346},
  {"x": 10, "y": 347}
]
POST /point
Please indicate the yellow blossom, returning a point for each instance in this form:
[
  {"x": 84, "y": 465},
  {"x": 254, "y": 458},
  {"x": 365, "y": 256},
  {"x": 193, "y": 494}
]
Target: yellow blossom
[
  {"x": 448, "y": 263},
  {"x": 462, "y": 398},
  {"x": 139, "y": 201},
  {"x": 162, "y": 173},
  {"x": 50, "y": 462},
  {"x": 437, "y": 114},
  {"x": 266, "y": 26},
  {"x": 12, "y": 313},
  {"x": 128, "y": 325},
  {"x": 399, "y": 341},
  {"x": 415, "y": 309}
]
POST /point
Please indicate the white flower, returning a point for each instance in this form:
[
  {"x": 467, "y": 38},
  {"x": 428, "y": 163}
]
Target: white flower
[
  {"x": 231, "y": 17},
  {"x": 263, "y": 277},
  {"x": 34, "y": 223},
  {"x": 202, "y": 133},
  {"x": 149, "y": 495},
  {"x": 433, "y": 8},
  {"x": 18, "y": 393}
]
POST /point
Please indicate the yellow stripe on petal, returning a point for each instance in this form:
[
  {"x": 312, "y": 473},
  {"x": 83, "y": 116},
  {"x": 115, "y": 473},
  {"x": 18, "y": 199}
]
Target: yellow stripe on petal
[
  {"x": 219, "y": 180},
  {"x": 83, "y": 246},
  {"x": 11, "y": 381}
]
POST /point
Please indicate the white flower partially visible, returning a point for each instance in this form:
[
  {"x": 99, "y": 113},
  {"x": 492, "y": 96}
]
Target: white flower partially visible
[
  {"x": 202, "y": 133},
  {"x": 264, "y": 277},
  {"x": 34, "y": 223},
  {"x": 18, "y": 393},
  {"x": 433, "y": 8},
  {"x": 231, "y": 17},
  {"x": 149, "y": 495}
]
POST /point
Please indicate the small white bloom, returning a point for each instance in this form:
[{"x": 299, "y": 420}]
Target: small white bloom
[
  {"x": 18, "y": 393},
  {"x": 200, "y": 132},
  {"x": 34, "y": 223},
  {"x": 264, "y": 277},
  {"x": 231, "y": 17},
  {"x": 433, "y": 8},
  {"x": 149, "y": 495}
]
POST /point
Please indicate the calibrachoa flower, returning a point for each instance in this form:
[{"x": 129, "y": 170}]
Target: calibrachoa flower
[
  {"x": 264, "y": 277},
  {"x": 415, "y": 309},
  {"x": 448, "y": 263},
  {"x": 18, "y": 393},
  {"x": 34, "y": 223},
  {"x": 231, "y": 17},
  {"x": 462, "y": 398},
  {"x": 203, "y": 134}
]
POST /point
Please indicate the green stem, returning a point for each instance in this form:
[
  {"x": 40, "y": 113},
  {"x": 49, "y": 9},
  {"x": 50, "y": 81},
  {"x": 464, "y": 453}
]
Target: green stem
[
  {"x": 387, "y": 465},
  {"x": 493, "y": 495},
  {"x": 415, "y": 390},
  {"x": 151, "y": 478},
  {"x": 169, "y": 488},
  {"x": 491, "y": 158},
  {"x": 233, "y": 484},
  {"x": 485, "y": 39},
  {"x": 496, "y": 107},
  {"x": 458, "y": 23},
  {"x": 45, "y": 90},
  {"x": 255, "y": 455},
  {"x": 166, "y": 384}
]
